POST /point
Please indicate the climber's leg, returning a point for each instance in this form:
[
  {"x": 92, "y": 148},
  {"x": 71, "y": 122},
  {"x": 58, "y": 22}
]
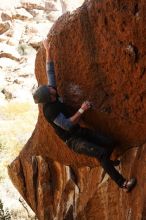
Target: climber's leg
[
  {"x": 127, "y": 185},
  {"x": 108, "y": 166},
  {"x": 98, "y": 139},
  {"x": 82, "y": 146}
]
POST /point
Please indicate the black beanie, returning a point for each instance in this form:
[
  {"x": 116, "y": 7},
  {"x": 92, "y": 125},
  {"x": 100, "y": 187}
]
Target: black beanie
[{"x": 42, "y": 95}]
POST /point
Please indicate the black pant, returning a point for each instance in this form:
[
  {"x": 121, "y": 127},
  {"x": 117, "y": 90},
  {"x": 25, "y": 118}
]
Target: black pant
[{"x": 86, "y": 141}]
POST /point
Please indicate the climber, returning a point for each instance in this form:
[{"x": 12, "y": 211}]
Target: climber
[{"x": 79, "y": 139}]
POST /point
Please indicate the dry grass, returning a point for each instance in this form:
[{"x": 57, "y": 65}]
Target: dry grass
[{"x": 17, "y": 121}]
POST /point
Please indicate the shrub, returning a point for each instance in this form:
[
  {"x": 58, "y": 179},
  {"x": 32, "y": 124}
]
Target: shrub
[{"x": 4, "y": 214}]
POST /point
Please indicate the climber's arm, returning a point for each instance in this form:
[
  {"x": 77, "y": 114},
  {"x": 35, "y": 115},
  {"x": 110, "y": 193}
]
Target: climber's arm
[
  {"x": 51, "y": 74},
  {"x": 50, "y": 71},
  {"x": 68, "y": 123}
]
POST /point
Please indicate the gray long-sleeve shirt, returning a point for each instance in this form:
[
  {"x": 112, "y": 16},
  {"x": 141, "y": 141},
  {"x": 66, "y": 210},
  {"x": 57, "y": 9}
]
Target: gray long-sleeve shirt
[
  {"x": 61, "y": 119},
  {"x": 51, "y": 74}
]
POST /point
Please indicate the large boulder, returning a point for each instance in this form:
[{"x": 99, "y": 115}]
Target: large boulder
[
  {"x": 6, "y": 15},
  {"x": 18, "y": 13},
  {"x": 4, "y": 26},
  {"x": 9, "y": 52},
  {"x": 21, "y": 14},
  {"x": 33, "y": 4},
  {"x": 99, "y": 54}
]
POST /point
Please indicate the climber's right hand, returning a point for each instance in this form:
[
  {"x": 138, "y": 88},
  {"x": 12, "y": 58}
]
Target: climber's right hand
[{"x": 86, "y": 105}]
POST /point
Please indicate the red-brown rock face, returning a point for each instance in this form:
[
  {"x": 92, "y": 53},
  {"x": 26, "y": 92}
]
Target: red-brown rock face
[{"x": 99, "y": 54}]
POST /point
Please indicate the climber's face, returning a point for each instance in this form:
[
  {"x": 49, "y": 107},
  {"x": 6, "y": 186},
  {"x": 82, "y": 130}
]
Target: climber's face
[
  {"x": 53, "y": 93},
  {"x": 44, "y": 94}
]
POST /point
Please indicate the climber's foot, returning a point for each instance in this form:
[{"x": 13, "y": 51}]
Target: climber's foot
[{"x": 129, "y": 184}]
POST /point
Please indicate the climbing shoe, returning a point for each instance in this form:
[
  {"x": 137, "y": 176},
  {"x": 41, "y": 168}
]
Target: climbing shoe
[{"x": 129, "y": 184}]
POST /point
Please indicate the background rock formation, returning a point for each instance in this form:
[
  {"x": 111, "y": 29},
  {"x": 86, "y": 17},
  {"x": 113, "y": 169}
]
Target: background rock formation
[
  {"x": 99, "y": 54},
  {"x": 23, "y": 25}
]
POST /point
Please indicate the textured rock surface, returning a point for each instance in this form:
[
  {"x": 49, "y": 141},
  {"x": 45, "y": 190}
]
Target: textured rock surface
[
  {"x": 99, "y": 54},
  {"x": 19, "y": 32},
  {"x": 4, "y": 27},
  {"x": 9, "y": 52}
]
